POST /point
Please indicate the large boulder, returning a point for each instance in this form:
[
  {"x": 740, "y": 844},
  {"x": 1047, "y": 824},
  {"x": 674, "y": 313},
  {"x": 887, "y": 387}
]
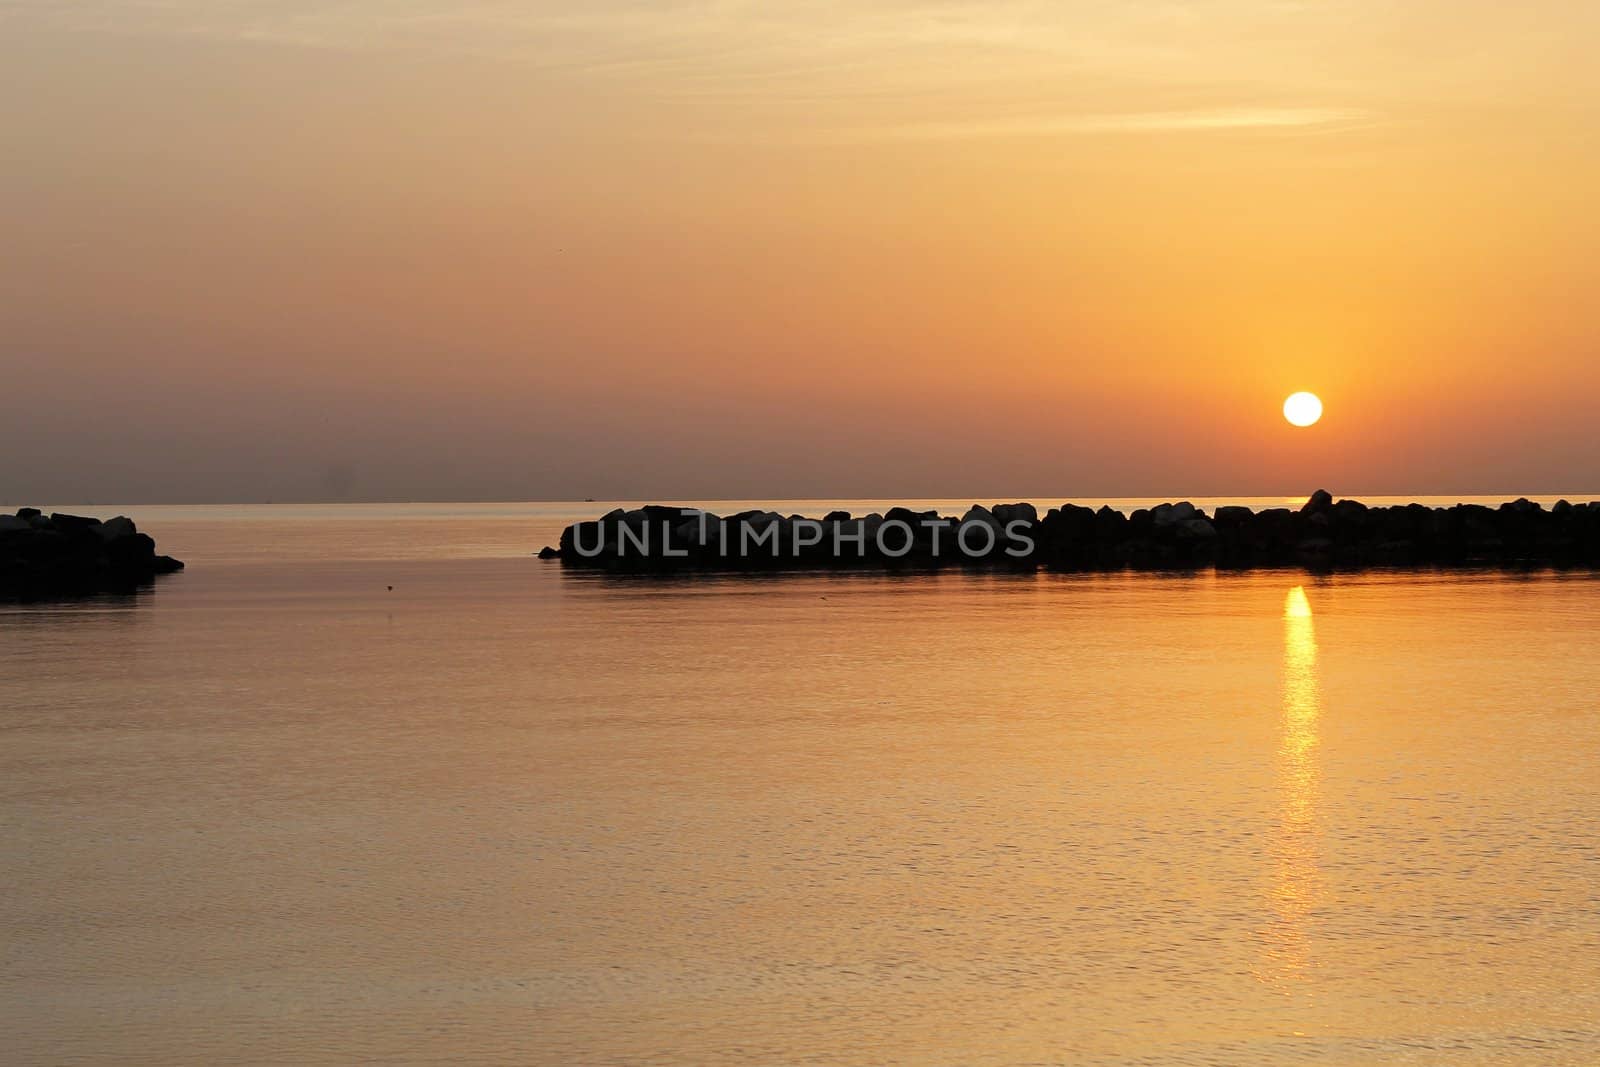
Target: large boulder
[
  {"x": 972, "y": 541},
  {"x": 1351, "y": 511},
  {"x": 72, "y": 523},
  {"x": 1164, "y": 515},
  {"x": 979, "y": 513},
  {"x": 1009, "y": 513},
  {"x": 1232, "y": 517},
  {"x": 114, "y": 529},
  {"x": 1109, "y": 524},
  {"x": 1320, "y": 501},
  {"x": 131, "y": 553}
]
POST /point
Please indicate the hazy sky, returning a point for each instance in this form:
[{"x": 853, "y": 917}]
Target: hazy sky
[{"x": 417, "y": 249}]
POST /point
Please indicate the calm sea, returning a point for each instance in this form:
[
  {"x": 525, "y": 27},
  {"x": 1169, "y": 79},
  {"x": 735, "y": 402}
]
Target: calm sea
[{"x": 276, "y": 811}]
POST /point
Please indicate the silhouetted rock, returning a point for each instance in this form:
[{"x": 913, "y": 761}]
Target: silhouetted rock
[
  {"x": 1231, "y": 517},
  {"x": 1321, "y": 500},
  {"x": 114, "y": 529},
  {"x": 67, "y": 555},
  {"x": 68, "y": 523},
  {"x": 1015, "y": 512},
  {"x": 979, "y": 513},
  {"x": 1322, "y": 533},
  {"x": 1351, "y": 511},
  {"x": 1163, "y": 515}
]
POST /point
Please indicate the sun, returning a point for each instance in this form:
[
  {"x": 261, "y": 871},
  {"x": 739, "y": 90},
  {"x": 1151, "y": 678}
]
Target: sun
[{"x": 1302, "y": 409}]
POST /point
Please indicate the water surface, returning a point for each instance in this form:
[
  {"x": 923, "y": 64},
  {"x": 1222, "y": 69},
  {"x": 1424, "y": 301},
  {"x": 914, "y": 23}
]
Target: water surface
[{"x": 275, "y": 811}]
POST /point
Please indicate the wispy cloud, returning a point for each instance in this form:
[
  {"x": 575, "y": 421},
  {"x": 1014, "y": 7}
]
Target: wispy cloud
[
  {"x": 843, "y": 69},
  {"x": 1257, "y": 118}
]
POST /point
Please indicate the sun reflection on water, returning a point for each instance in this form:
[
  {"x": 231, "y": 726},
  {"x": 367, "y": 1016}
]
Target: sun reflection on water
[{"x": 1296, "y": 885}]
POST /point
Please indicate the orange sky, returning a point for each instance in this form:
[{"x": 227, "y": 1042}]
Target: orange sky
[{"x": 409, "y": 249}]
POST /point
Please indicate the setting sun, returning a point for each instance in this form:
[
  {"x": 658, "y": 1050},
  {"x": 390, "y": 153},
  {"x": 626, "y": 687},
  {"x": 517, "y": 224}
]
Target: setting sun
[{"x": 1302, "y": 409}]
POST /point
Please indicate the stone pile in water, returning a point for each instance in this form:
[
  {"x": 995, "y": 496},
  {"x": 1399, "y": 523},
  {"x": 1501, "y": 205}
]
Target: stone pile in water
[
  {"x": 70, "y": 555},
  {"x": 1321, "y": 533}
]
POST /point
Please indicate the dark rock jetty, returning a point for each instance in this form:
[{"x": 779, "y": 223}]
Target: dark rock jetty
[
  {"x": 1323, "y": 533},
  {"x": 71, "y": 555}
]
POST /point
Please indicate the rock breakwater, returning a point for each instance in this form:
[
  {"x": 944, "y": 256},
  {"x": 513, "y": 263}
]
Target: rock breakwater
[
  {"x": 73, "y": 555},
  {"x": 1323, "y": 532}
]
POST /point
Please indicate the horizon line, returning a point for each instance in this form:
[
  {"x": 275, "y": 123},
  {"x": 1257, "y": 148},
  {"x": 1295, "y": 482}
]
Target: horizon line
[{"x": 1508, "y": 495}]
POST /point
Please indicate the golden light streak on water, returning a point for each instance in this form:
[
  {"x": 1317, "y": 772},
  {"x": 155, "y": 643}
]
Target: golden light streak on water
[{"x": 1296, "y": 887}]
